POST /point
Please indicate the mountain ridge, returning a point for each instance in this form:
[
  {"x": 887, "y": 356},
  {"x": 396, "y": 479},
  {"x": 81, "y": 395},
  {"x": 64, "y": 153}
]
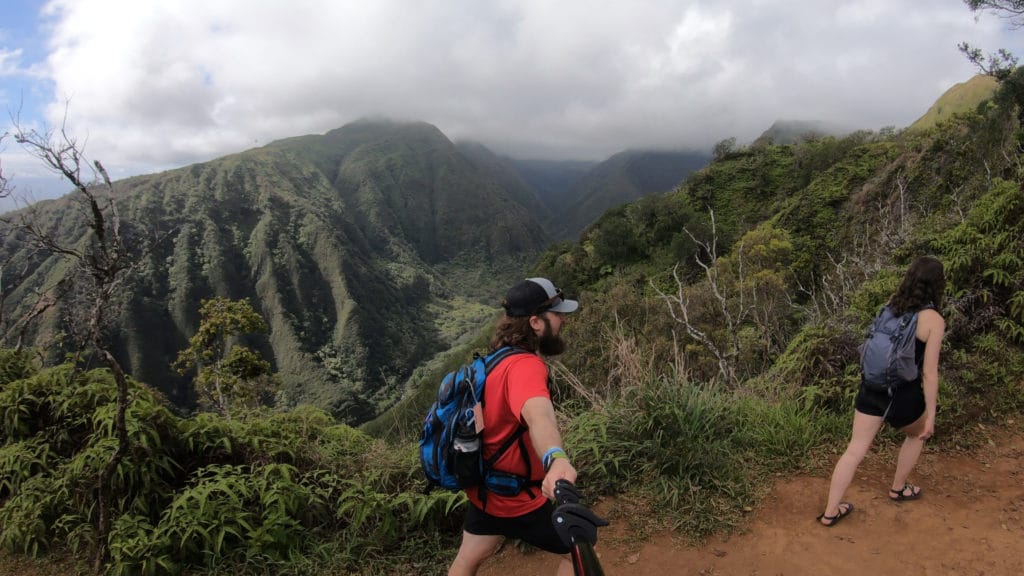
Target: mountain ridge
[{"x": 335, "y": 238}]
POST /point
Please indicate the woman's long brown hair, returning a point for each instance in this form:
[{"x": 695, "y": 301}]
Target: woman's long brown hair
[{"x": 923, "y": 284}]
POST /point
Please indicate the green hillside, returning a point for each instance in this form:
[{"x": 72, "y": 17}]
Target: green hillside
[
  {"x": 366, "y": 249},
  {"x": 625, "y": 177},
  {"x": 510, "y": 178},
  {"x": 714, "y": 350},
  {"x": 962, "y": 97},
  {"x": 804, "y": 242}
]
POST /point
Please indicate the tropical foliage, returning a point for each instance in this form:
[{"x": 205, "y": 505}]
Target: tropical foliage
[
  {"x": 341, "y": 242},
  {"x": 227, "y": 376},
  {"x": 715, "y": 347},
  {"x": 264, "y": 489}
]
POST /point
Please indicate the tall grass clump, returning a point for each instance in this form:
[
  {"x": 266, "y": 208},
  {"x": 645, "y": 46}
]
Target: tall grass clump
[
  {"x": 696, "y": 453},
  {"x": 785, "y": 434}
]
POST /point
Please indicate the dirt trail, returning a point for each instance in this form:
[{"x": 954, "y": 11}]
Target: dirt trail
[{"x": 970, "y": 521}]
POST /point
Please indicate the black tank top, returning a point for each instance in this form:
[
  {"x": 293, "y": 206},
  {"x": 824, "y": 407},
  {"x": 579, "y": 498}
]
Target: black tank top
[{"x": 919, "y": 359}]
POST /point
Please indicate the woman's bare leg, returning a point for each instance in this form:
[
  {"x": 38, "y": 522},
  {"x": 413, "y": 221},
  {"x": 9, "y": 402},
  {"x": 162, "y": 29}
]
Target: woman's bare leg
[
  {"x": 865, "y": 428},
  {"x": 909, "y": 454}
]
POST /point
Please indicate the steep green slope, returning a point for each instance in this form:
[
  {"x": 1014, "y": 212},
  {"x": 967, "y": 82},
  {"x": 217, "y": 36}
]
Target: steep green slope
[
  {"x": 410, "y": 176},
  {"x": 509, "y": 177},
  {"x": 345, "y": 243},
  {"x": 802, "y": 243},
  {"x": 552, "y": 179},
  {"x": 962, "y": 97},
  {"x": 806, "y": 238},
  {"x": 623, "y": 178}
]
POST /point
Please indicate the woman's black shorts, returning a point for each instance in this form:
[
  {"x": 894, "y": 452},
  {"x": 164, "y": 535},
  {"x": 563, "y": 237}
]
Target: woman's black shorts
[
  {"x": 907, "y": 404},
  {"x": 533, "y": 528}
]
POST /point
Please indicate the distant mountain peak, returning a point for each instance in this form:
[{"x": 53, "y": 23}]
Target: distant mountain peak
[{"x": 786, "y": 131}]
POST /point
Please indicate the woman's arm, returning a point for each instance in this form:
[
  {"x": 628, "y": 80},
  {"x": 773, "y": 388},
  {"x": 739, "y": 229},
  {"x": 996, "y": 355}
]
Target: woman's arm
[{"x": 931, "y": 327}]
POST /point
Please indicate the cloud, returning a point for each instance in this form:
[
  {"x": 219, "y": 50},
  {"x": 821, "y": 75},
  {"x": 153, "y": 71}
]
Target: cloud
[
  {"x": 155, "y": 85},
  {"x": 9, "y": 62}
]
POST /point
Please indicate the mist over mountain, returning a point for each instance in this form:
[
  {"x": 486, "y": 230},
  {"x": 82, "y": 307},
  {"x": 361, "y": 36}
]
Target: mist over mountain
[
  {"x": 568, "y": 195},
  {"x": 553, "y": 179},
  {"x": 796, "y": 131},
  {"x": 369, "y": 249},
  {"x": 510, "y": 178},
  {"x": 623, "y": 178}
]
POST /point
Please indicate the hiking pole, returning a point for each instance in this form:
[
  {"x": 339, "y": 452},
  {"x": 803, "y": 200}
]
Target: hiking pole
[{"x": 577, "y": 526}]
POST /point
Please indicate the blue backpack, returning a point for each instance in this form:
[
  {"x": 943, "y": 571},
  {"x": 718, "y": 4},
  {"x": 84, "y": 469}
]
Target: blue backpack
[
  {"x": 887, "y": 356},
  {"x": 451, "y": 450}
]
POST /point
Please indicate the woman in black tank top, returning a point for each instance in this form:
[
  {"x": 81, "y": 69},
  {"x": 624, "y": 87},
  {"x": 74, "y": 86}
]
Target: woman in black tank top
[
  {"x": 907, "y": 403},
  {"x": 911, "y": 408}
]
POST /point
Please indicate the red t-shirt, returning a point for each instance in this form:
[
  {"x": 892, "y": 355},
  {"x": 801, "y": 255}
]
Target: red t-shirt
[{"x": 509, "y": 385}]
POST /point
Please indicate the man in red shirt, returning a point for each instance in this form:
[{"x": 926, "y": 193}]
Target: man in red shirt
[{"x": 516, "y": 397}]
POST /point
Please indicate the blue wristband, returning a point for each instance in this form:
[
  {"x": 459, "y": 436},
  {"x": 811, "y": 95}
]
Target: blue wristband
[{"x": 551, "y": 455}]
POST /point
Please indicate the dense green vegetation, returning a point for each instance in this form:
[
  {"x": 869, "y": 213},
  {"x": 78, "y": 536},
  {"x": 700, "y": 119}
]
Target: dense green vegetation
[
  {"x": 802, "y": 244},
  {"x": 625, "y": 177},
  {"x": 344, "y": 243},
  {"x": 368, "y": 250},
  {"x": 715, "y": 347},
  {"x": 288, "y": 492}
]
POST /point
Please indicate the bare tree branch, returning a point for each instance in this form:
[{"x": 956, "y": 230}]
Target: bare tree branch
[
  {"x": 6, "y": 189},
  {"x": 1012, "y": 10},
  {"x": 679, "y": 306},
  {"x": 106, "y": 259}
]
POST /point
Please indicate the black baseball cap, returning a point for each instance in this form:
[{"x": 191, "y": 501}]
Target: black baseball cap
[{"x": 535, "y": 296}]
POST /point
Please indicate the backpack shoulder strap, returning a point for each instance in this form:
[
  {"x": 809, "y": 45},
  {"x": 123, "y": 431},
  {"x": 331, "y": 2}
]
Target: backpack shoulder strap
[
  {"x": 495, "y": 358},
  {"x": 490, "y": 362}
]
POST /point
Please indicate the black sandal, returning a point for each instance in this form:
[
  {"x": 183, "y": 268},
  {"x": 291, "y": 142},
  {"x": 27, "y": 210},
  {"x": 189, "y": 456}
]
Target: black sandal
[
  {"x": 901, "y": 494},
  {"x": 833, "y": 520}
]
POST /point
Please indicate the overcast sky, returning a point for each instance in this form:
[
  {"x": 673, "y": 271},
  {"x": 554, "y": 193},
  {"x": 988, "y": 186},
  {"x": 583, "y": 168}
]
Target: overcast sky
[{"x": 153, "y": 84}]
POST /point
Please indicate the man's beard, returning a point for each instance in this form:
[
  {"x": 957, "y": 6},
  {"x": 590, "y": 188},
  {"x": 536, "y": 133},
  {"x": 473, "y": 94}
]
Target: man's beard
[{"x": 549, "y": 344}]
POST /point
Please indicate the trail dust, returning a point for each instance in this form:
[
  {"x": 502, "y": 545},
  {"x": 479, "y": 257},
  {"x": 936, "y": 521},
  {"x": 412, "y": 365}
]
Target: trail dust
[{"x": 969, "y": 521}]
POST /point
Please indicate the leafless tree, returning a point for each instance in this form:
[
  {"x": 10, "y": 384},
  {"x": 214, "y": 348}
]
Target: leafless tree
[
  {"x": 104, "y": 259},
  {"x": 5, "y": 187},
  {"x": 866, "y": 254},
  {"x": 733, "y": 311},
  {"x": 12, "y": 272},
  {"x": 828, "y": 298}
]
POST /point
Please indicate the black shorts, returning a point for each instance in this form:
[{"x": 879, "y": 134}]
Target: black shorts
[
  {"x": 534, "y": 528},
  {"x": 907, "y": 404}
]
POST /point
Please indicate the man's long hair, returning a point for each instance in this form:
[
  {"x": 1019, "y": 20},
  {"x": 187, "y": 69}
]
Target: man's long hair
[
  {"x": 517, "y": 332},
  {"x": 923, "y": 284}
]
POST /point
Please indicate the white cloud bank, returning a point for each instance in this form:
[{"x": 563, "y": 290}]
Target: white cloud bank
[{"x": 154, "y": 84}]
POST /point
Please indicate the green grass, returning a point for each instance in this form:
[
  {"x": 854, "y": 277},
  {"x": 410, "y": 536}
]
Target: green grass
[{"x": 697, "y": 455}]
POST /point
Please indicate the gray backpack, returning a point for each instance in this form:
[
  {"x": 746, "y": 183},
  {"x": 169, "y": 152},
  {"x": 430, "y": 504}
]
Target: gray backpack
[{"x": 887, "y": 356}]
